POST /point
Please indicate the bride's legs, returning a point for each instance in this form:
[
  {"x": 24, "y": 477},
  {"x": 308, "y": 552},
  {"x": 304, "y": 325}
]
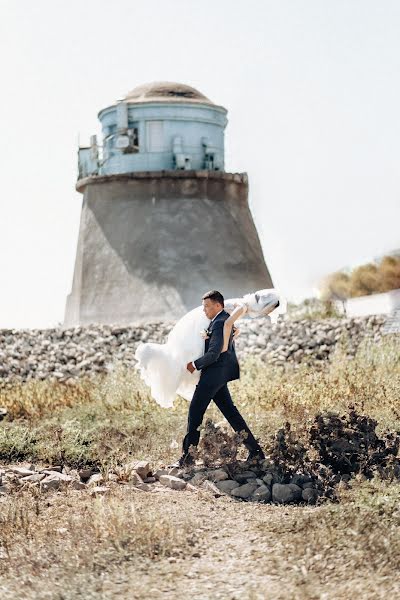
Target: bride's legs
[{"x": 225, "y": 404}]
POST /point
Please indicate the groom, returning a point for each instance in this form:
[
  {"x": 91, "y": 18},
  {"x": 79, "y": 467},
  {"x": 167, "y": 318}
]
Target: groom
[{"x": 216, "y": 370}]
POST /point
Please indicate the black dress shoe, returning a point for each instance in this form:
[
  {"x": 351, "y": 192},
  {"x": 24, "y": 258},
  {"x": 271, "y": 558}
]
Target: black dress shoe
[{"x": 186, "y": 460}]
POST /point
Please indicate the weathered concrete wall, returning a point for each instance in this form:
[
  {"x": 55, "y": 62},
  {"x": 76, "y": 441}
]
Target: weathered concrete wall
[{"x": 150, "y": 244}]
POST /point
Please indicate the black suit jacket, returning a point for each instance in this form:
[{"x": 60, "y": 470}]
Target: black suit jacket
[{"x": 214, "y": 364}]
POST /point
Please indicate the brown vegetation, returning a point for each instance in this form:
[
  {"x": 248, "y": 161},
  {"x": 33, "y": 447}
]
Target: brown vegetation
[{"x": 371, "y": 278}]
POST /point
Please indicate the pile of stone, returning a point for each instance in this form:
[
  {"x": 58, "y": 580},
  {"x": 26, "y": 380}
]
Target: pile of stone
[
  {"x": 67, "y": 354},
  {"x": 248, "y": 483}
]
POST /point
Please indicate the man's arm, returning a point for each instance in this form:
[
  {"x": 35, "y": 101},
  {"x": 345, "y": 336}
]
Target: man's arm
[{"x": 214, "y": 348}]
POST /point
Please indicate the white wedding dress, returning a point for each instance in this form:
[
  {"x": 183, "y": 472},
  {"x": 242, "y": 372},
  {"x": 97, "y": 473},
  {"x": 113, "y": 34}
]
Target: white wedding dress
[{"x": 163, "y": 366}]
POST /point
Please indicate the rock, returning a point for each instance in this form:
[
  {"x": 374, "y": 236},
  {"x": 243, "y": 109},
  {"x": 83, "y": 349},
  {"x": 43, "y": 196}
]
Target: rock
[
  {"x": 55, "y": 469},
  {"x": 299, "y": 479},
  {"x": 186, "y": 475},
  {"x": 174, "y": 471},
  {"x": 244, "y": 476},
  {"x": 135, "y": 478},
  {"x": 3, "y": 413},
  {"x": 261, "y": 494},
  {"x": 95, "y": 479},
  {"x": 160, "y": 472},
  {"x": 308, "y": 484},
  {"x": 211, "y": 487},
  {"x": 34, "y": 478},
  {"x": 227, "y": 485},
  {"x": 182, "y": 474},
  {"x": 149, "y": 480},
  {"x": 59, "y": 476},
  {"x": 217, "y": 475},
  {"x": 85, "y": 474},
  {"x": 266, "y": 465},
  {"x": 173, "y": 482},
  {"x": 50, "y": 483},
  {"x": 78, "y": 485},
  {"x": 268, "y": 479},
  {"x": 143, "y": 487},
  {"x": 53, "y": 480},
  {"x": 244, "y": 491},
  {"x": 309, "y": 495},
  {"x": 285, "y": 493},
  {"x": 198, "y": 477},
  {"x": 296, "y": 489},
  {"x": 3, "y": 490},
  {"x": 142, "y": 468},
  {"x": 191, "y": 488},
  {"x": 20, "y": 471}
]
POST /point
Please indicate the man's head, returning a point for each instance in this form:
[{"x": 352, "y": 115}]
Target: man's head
[{"x": 213, "y": 303}]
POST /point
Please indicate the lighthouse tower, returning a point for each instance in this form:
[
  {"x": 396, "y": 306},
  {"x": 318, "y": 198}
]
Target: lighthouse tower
[{"x": 161, "y": 222}]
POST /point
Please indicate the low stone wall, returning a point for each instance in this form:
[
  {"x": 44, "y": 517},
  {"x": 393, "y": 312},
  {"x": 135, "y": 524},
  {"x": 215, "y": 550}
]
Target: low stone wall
[
  {"x": 307, "y": 340},
  {"x": 66, "y": 354}
]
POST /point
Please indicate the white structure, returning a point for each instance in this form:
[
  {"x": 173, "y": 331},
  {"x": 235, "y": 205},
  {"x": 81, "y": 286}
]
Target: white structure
[{"x": 374, "y": 304}]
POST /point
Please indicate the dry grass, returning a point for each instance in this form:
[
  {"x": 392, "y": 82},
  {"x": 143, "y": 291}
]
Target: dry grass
[
  {"x": 71, "y": 540},
  {"x": 371, "y": 382},
  {"x": 110, "y": 419},
  {"x": 68, "y": 545},
  {"x": 117, "y": 528}
]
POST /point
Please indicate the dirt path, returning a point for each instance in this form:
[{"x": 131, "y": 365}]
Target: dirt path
[
  {"x": 233, "y": 551},
  {"x": 233, "y": 559},
  {"x": 250, "y": 551}
]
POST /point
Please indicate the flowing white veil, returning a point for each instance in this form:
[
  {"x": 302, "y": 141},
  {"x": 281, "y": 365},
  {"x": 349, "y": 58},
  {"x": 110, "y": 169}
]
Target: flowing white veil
[{"x": 163, "y": 366}]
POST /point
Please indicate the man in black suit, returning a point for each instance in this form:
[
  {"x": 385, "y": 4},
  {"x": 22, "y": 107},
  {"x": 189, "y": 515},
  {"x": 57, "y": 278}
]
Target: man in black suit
[{"x": 217, "y": 368}]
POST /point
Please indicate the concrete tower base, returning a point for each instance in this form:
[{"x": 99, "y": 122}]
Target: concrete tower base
[{"x": 151, "y": 244}]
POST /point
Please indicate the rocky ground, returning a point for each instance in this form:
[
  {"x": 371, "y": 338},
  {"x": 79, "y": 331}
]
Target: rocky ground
[
  {"x": 245, "y": 482},
  {"x": 67, "y": 354}
]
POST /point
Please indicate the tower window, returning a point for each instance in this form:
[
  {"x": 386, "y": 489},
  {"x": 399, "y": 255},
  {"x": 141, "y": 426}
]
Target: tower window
[
  {"x": 130, "y": 140},
  {"x": 134, "y": 137}
]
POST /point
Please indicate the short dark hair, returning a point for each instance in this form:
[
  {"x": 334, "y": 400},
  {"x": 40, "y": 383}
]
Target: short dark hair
[{"x": 215, "y": 296}]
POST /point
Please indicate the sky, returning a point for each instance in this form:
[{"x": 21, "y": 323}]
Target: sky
[{"x": 312, "y": 89}]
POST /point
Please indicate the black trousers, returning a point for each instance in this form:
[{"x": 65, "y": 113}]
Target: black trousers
[{"x": 205, "y": 392}]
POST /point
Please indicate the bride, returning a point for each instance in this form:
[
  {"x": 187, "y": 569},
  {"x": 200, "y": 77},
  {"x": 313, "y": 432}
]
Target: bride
[{"x": 163, "y": 366}]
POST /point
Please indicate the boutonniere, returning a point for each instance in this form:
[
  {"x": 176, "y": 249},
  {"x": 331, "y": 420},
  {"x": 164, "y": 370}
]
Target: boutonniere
[{"x": 205, "y": 334}]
